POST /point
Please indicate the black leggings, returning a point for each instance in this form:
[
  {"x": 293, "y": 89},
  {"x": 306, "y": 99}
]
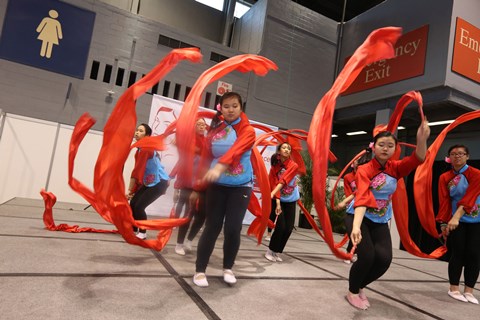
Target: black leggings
[
  {"x": 374, "y": 253},
  {"x": 463, "y": 243},
  {"x": 198, "y": 216},
  {"x": 144, "y": 197},
  {"x": 183, "y": 201},
  {"x": 284, "y": 227},
  {"x": 222, "y": 203}
]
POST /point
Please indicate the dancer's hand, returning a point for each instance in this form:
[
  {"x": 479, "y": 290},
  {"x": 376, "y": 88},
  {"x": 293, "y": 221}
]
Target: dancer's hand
[
  {"x": 356, "y": 236},
  {"x": 278, "y": 209},
  {"x": 453, "y": 224}
]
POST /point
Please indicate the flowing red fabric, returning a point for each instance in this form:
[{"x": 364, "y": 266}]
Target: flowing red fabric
[
  {"x": 399, "y": 198},
  {"x": 262, "y": 213},
  {"x": 379, "y": 45},
  {"x": 185, "y": 125},
  {"x": 49, "y": 200},
  {"x": 186, "y": 121},
  {"x": 109, "y": 199},
  {"x": 423, "y": 176}
]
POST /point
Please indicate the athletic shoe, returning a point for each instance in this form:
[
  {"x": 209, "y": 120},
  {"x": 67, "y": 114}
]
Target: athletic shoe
[
  {"x": 179, "y": 249},
  {"x": 270, "y": 257},
  {"x": 141, "y": 235},
  {"x": 229, "y": 277},
  {"x": 200, "y": 280},
  {"x": 470, "y": 298},
  {"x": 457, "y": 296},
  {"x": 277, "y": 257}
]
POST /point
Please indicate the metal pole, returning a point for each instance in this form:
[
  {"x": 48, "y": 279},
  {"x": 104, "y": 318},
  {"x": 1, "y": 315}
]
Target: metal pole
[{"x": 339, "y": 41}]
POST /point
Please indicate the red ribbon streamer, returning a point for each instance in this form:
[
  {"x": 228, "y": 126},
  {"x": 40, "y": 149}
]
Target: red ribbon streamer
[{"x": 379, "y": 45}]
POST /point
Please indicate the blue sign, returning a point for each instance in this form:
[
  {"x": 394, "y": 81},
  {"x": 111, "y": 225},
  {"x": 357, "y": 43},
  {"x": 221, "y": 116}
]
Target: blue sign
[{"x": 47, "y": 34}]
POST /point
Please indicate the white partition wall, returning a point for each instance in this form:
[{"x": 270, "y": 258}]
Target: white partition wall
[
  {"x": 31, "y": 160},
  {"x": 25, "y": 152}
]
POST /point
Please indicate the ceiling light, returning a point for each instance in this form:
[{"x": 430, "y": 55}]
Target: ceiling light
[
  {"x": 439, "y": 123},
  {"x": 334, "y": 136},
  {"x": 355, "y": 133},
  {"x": 400, "y": 128}
]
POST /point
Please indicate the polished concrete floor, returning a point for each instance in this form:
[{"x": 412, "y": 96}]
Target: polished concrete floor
[{"x": 57, "y": 275}]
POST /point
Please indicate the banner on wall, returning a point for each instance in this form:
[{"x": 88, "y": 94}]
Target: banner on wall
[
  {"x": 163, "y": 112},
  {"x": 466, "y": 50},
  {"x": 409, "y": 62}
]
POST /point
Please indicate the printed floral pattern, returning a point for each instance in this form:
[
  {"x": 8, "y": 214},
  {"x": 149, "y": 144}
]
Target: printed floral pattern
[
  {"x": 353, "y": 185},
  {"x": 149, "y": 179},
  {"x": 378, "y": 181},
  {"x": 222, "y": 134},
  {"x": 287, "y": 190},
  {"x": 454, "y": 182},
  {"x": 382, "y": 208},
  {"x": 474, "y": 212},
  {"x": 235, "y": 171}
]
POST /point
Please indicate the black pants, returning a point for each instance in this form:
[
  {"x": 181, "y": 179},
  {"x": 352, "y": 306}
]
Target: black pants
[
  {"x": 374, "y": 253},
  {"x": 227, "y": 204},
  {"x": 284, "y": 226},
  {"x": 183, "y": 201},
  {"x": 144, "y": 197},
  {"x": 198, "y": 216},
  {"x": 464, "y": 242}
]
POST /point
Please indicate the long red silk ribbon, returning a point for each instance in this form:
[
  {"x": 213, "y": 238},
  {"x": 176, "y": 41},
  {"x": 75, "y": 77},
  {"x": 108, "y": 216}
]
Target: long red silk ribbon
[
  {"x": 186, "y": 121},
  {"x": 49, "y": 200},
  {"x": 379, "y": 45},
  {"x": 109, "y": 199},
  {"x": 185, "y": 125},
  {"x": 262, "y": 213},
  {"x": 423, "y": 176}
]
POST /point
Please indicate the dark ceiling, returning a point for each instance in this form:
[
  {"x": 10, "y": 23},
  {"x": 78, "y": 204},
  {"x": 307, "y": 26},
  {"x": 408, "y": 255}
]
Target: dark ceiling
[{"x": 334, "y": 9}]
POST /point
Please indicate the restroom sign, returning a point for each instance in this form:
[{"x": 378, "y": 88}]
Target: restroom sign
[
  {"x": 48, "y": 34},
  {"x": 223, "y": 87}
]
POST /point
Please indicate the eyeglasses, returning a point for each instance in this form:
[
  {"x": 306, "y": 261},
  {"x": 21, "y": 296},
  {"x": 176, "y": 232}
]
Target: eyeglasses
[{"x": 459, "y": 154}]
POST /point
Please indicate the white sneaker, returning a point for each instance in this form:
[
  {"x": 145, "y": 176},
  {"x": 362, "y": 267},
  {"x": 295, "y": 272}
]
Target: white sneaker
[
  {"x": 229, "y": 277},
  {"x": 470, "y": 298},
  {"x": 179, "y": 249},
  {"x": 141, "y": 235},
  {"x": 200, "y": 280},
  {"x": 277, "y": 257},
  {"x": 268, "y": 237},
  {"x": 457, "y": 296},
  {"x": 269, "y": 256},
  {"x": 188, "y": 245}
]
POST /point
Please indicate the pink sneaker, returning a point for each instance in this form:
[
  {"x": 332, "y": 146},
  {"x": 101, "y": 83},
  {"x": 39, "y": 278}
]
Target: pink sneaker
[
  {"x": 356, "y": 301},
  {"x": 363, "y": 296}
]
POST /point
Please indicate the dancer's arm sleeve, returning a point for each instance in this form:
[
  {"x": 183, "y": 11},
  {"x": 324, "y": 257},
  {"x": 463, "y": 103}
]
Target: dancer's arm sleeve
[
  {"x": 363, "y": 196},
  {"x": 445, "y": 205},
  {"x": 244, "y": 142},
  {"x": 407, "y": 165}
]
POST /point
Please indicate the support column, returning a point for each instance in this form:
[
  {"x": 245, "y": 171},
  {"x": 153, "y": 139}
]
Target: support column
[{"x": 229, "y": 10}]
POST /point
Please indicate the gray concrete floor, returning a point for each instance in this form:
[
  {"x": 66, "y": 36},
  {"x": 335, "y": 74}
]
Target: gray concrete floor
[{"x": 57, "y": 275}]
